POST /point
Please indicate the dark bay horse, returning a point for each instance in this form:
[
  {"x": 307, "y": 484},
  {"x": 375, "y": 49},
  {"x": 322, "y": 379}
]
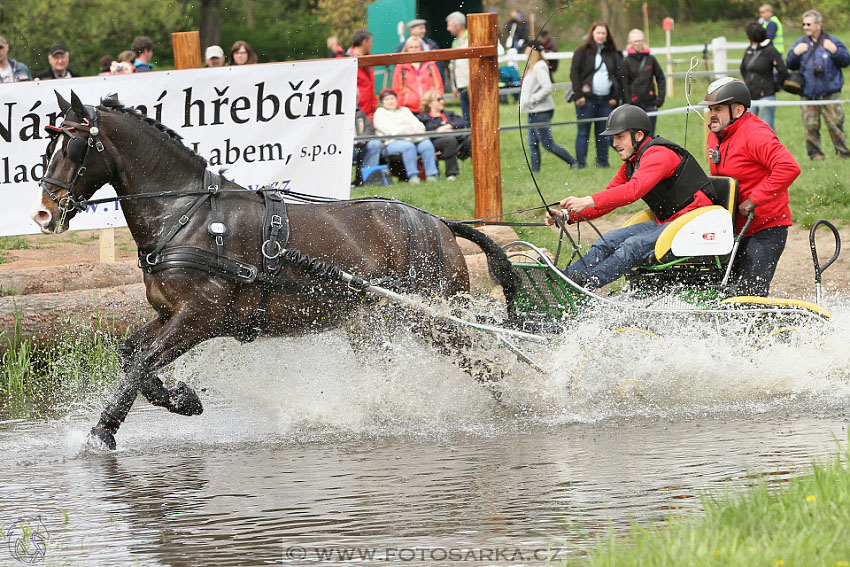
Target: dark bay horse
[{"x": 220, "y": 260}]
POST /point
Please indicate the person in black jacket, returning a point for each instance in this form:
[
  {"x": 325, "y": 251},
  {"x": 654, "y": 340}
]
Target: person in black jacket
[
  {"x": 58, "y": 58},
  {"x": 597, "y": 81},
  {"x": 643, "y": 78},
  {"x": 436, "y": 118},
  {"x": 757, "y": 70}
]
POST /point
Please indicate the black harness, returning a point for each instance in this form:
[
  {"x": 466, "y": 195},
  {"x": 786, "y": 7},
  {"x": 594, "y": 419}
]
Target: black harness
[
  {"x": 78, "y": 151},
  {"x": 276, "y": 233}
]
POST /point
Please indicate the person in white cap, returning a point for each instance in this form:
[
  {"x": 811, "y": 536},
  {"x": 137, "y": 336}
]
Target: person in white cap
[
  {"x": 214, "y": 56},
  {"x": 417, "y": 27}
]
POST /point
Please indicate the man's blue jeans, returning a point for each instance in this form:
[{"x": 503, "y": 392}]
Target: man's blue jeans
[
  {"x": 616, "y": 253},
  {"x": 594, "y": 107},
  {"x": 370, "y": 154},
  {"x": 542, "y": 136},
  {"x": 409, "y": 152},
  {"x": 766, "y": 113}
]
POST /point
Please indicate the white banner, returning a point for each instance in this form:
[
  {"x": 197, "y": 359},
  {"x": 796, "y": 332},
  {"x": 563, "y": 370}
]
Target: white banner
[{"x": 275, "y": 122}]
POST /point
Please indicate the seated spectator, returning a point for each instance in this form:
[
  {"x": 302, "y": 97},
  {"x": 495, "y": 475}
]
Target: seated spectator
[
  {"x": 438, "y": 119},
  {"x": 367, "y": 153},
  {"x": 143, "y": 48},
  {"x": 214, "y": 56},
  {"x": 412, "y": 80},
  {"x": 58, "y": 57},
  {"x": 106, "y": 65},
  {"x": 242, "y": 54},
  {"x": 392, "y": 119},
  {"x": 11, "y": 71}
]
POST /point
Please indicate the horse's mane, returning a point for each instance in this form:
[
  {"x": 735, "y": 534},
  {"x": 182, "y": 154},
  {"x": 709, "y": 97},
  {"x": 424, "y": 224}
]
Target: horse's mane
[{"x": 112, "y": 103}]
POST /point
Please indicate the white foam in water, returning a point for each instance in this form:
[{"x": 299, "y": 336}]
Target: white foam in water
[{"x": 320, "y": 387}]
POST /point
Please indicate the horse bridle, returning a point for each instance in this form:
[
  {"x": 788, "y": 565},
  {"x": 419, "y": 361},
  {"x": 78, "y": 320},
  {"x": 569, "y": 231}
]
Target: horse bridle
[{"x": 78, "y": 152}]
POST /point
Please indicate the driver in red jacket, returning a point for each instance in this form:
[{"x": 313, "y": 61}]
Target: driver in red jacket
[{"x": 740, "y": 145}]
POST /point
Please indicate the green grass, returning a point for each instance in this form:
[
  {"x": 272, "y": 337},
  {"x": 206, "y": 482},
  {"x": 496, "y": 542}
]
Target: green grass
[
  {"x": 74, "y": 360},
  {"x": 801, "y": 522},
  {"x": 821, "y": 191}
]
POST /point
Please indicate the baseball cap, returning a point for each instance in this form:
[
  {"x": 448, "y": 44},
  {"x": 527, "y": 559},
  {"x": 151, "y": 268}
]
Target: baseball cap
[
  {"x": 58, "y": 48},
  {"x": 213, "y": 51},
  {"x": 416, "y": 22}
]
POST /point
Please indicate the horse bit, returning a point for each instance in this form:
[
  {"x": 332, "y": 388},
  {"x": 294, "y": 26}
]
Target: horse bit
[{"x": 78, "y": 152}]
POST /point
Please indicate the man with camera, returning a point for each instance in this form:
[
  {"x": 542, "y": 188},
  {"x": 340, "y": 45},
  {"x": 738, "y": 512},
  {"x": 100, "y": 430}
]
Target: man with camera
[{"x": 820, "y": 57}]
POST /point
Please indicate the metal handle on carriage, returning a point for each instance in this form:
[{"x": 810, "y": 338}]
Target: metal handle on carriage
[
  {"x": 818, "y": 268},
  {"x": 734, "y": 252},
  {"x": 405, "y": 300}
]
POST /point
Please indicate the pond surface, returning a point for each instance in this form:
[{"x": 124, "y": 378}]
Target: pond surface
[{"x": 310, "y": 452}]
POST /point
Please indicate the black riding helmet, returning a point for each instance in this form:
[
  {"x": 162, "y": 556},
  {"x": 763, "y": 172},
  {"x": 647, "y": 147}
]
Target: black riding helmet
[
  {"x": 628, "y": 117},
  {"x": 728, "y": 91}
]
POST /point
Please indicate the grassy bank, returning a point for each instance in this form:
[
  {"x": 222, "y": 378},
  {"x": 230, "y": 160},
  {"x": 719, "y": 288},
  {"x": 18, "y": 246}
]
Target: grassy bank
[
  {"x": 802, "y": 522},
  {"x": 37, "y": 374}
]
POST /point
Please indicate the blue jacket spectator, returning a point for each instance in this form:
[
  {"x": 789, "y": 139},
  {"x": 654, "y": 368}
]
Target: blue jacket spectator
[
  {"x": 821, "y": 66},
  {"x": 11, "y": 71}
]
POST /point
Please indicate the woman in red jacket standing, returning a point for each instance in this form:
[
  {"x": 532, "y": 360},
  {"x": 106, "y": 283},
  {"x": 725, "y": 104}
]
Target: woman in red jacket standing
[
  {"x": 742, "y": 146},
  {"x": 412, "y": 80}
]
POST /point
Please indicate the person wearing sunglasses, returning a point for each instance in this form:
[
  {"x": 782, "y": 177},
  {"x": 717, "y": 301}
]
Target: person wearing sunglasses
[
  {"x": 821, "y": 58},
  {"x": 742, "y": 146}
]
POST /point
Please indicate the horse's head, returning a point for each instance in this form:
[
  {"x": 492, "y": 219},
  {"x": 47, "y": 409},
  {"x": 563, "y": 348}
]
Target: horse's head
[{"x": 77, "y": 166}]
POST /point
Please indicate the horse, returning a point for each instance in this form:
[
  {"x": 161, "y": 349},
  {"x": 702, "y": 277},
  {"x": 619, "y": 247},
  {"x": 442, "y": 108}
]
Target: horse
[{"x": 221, "y": 260}]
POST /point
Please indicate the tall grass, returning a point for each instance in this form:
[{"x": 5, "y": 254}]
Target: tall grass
[
  {"x": 801, "y": 522},
  {"x": 73, "y": 361}
]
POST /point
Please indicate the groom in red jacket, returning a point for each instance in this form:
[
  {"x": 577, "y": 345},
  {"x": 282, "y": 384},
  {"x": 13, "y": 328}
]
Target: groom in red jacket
[{"x": 740, "y": 145}]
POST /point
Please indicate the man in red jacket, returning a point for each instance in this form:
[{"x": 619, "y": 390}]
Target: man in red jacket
[
  {"x": 361, "y": 44},
  {"x": 742, "y": 146},
  {"x": 660, "y": 172}
]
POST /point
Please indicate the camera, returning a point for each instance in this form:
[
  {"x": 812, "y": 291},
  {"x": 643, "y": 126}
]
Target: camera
[{"x": 818, "y": 71}]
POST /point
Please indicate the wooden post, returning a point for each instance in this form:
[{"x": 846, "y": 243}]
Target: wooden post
[
  {"x": 484, "y": 117},
  {"x": 107, "y": 245},
  {"x": 187, "y": 49}
]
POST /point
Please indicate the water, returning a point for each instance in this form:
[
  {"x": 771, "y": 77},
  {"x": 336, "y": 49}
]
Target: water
[{"x": 311, "y": 452}]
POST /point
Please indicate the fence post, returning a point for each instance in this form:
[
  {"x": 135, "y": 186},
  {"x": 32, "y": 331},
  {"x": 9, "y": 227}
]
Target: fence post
[
  {"x": 484, "y": 117},
  {"x": 721, "y": 56},
  {"x": 187, "y": 49}
]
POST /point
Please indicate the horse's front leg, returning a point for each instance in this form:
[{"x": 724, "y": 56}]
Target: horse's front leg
[{"x": 150, "y": 349}]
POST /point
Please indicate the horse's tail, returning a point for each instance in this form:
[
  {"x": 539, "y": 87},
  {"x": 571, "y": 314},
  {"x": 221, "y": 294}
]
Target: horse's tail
[{"x": 497, "y": 261}]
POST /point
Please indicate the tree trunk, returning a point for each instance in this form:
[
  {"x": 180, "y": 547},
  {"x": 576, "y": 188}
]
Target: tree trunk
[
  {"x": 210, "y": 23},
  {"x": 114, "y": 308},
  {"x": 614, "y": 12}
]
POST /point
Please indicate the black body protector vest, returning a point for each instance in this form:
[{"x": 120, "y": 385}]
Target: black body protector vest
[{"x": 673, "y": 194}]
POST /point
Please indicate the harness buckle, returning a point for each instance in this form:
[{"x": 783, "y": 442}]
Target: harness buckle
[
  {"x": 277, "y": 221},
  {"x": 213, "y": 189},
  {"x": 272, "y": 256},
  {"x": 99, "y": 146},
  {"x": 219, "y": 241},
  {"x": 151, "y": 261},
  {"x": 183, "y": 220}
]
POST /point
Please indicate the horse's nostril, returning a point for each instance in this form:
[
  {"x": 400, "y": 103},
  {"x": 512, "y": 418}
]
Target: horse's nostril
[{"x": 42, "y": 217}]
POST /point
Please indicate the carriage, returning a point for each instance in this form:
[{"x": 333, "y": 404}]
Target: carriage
[{"x": 687, "y": 275}]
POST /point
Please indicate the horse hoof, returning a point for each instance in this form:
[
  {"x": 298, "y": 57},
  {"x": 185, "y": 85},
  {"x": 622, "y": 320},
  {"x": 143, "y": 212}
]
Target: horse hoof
[
  {"x": 184, "y": 400},
  {"x": 101, "y": 438}
]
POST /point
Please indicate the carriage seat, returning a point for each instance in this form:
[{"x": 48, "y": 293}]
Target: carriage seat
[{"x": 702, "y": 234}]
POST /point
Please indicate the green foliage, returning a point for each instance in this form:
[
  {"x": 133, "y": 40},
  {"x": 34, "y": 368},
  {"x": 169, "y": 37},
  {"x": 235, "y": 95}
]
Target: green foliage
[
  {"x": 72, "y": 362},
  {"x": 801, "y": 522},
  {"x": 277, "y": 31},
  {"x": 90, "y": 29}
]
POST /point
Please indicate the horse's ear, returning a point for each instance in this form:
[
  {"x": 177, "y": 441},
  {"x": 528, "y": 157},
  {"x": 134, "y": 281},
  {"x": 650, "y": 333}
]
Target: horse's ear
[
  {"x": 64, "y": 105},
  {"x": 77, "y": 106}
]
